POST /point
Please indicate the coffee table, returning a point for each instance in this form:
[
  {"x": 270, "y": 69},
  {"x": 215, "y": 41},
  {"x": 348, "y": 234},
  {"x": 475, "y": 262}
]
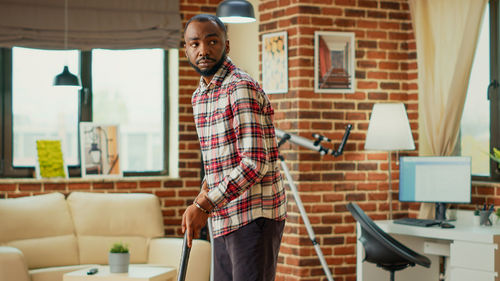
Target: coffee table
[{"x": 135, "y": 273}]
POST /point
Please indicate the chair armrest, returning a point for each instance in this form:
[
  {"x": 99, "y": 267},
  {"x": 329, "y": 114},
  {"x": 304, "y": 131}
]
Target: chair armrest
[
  {"x": 13, "y": 265},
  {"x": 167, "y": 252}
]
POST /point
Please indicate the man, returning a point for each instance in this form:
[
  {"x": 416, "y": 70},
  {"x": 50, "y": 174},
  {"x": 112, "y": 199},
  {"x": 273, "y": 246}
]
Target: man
[{"x": 242, "y": 190}]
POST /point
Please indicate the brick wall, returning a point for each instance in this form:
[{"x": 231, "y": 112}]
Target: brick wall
[{"x": 386, "y": 70}]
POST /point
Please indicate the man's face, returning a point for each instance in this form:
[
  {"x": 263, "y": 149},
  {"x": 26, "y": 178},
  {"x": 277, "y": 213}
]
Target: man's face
[{"x": 206, "y": 47}]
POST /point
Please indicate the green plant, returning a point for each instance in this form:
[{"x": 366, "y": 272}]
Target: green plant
[
  {"x": 119, "y": 247},
  {"x": 496, "y": 155}
]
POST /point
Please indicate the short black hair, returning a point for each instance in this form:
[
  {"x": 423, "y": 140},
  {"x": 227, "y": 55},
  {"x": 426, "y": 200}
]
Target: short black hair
[{"x": 205, "y": 18}]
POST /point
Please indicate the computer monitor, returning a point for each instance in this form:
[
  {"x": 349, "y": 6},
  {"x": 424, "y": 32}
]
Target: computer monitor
[{"x": 435, "y": 179}]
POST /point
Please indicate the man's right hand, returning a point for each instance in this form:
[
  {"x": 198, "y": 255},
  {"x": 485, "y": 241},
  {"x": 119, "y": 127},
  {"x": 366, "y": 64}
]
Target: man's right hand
[{"x": 194, "y": 219}]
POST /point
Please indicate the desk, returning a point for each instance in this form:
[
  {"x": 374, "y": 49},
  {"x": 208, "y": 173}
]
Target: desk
[{"x": 471, "y": 251}]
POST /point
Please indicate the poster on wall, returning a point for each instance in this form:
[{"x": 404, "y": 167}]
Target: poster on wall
[
  {"x": 334, "y": 62},
  {"x": 50, "y": 160},
  {"x": 275, "y": 62},
  {"x": 99, "y": 150}
]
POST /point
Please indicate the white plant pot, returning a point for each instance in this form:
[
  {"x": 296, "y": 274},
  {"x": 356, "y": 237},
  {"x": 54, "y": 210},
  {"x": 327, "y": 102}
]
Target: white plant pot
[{"x": 118, "y": 262}]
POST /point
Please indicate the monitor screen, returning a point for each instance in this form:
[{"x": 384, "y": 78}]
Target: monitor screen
[{"x": 439, "y": 179}]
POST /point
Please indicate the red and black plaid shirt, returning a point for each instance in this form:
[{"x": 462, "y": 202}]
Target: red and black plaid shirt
[{"x": 234, "y": 121}]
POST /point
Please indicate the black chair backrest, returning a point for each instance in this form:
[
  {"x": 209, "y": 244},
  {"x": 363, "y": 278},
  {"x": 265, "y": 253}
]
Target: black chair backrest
[{"x": 381, "y": 248}]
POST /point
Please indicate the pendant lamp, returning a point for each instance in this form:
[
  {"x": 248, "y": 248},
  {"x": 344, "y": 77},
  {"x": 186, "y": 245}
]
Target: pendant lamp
[
  {"x": 235, "y": 11},
  {"x": 66, "y": 78}
]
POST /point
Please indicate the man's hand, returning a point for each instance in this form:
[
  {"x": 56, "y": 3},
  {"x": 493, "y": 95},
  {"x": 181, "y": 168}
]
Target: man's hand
[{"x": 193, "y": 220}]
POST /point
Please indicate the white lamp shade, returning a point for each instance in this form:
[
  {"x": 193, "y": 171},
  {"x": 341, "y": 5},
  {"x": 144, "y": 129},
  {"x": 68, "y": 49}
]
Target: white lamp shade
[{"x": 389, "y": 128}]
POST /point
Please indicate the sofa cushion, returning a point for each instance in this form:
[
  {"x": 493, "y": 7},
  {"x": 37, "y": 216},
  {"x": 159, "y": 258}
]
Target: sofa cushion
[
  {"x": 48, "y": 251},
  {"x": 125, "y": 214},
  {"x": 41, "y": 227},
  {"x": 30, "y": 217},
  {"x": 103, "y": 219}
]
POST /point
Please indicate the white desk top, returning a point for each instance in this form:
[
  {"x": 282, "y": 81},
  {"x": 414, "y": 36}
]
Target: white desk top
[
  {"x": 135, "y": 273},
  {"x": 465, "y": 229}
]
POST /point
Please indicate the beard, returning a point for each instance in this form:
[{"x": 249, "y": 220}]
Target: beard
[{"x": 211, "y": 71}]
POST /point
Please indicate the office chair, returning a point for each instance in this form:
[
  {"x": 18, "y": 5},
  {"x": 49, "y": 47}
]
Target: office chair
[{"x": 381, "y": 249}]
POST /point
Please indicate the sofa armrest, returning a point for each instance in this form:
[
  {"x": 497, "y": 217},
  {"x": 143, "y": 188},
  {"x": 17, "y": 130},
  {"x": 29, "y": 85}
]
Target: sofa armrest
[
  {"x": 13, "y": 265},
  {"x": 167, "y": 252}
]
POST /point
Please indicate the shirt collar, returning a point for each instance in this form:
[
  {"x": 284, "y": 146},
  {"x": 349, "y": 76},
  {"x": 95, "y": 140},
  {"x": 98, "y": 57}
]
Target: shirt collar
[{"x": 226, "y": 67}]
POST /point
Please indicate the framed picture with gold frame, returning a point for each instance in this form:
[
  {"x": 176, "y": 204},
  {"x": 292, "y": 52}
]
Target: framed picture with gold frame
[
  {"x": 275, "y": 62},
  {"x": 334, "y": 70}
]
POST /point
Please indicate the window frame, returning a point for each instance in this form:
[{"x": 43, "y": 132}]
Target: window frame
[
  {"x": 492, "y": 92},
  {"x": 84, "y": 115}
]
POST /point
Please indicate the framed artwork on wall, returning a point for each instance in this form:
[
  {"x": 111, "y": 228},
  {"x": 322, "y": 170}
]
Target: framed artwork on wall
[
  {"x": 50, "y": 160},
  {"x": 99, "y": 150},
  {"x": 275, "y": 62},
  {"x": 334, "y": 62}
]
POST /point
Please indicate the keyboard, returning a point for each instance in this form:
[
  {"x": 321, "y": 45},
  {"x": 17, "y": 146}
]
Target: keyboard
[{"x": 417, "y": 222}]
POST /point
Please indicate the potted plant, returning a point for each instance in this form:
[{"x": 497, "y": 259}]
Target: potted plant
[{"x": 119, "y": 258}]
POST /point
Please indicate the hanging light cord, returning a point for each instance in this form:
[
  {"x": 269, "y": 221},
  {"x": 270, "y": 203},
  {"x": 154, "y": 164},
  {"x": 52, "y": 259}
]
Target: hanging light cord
[{"x": 65, "y": 24}]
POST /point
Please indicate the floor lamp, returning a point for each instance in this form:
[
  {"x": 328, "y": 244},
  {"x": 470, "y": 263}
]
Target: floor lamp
[{"x": 389, "y": 130}]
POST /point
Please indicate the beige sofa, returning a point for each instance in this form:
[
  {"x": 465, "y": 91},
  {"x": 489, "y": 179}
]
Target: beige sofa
[{"x": 42, "y": 237}]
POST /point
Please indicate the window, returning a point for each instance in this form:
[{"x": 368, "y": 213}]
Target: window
[
  {"x": 480, "y": 120},
  {"x": 124, "y": 87}
]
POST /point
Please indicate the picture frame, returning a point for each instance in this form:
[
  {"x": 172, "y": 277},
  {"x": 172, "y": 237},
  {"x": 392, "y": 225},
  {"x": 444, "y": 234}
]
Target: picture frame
[
  {"x": 334, "y": 62},
  {"x": 275, "y": 62},
  {"x": 99, "y": 150},
  {"x": 50, "y": 162}
]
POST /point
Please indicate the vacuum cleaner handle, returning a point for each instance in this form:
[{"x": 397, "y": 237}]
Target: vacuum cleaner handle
[{"x": 184, "y": 259}]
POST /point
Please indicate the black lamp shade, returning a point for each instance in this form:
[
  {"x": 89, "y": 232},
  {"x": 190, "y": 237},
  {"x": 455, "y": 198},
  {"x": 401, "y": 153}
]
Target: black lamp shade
[
  {"x": 235, "y": 11},
  {"x": 66, "y": 78}
]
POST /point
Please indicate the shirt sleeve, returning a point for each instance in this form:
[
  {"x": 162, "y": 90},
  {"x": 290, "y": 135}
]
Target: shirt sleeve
[{"x": 252, "y": 119}]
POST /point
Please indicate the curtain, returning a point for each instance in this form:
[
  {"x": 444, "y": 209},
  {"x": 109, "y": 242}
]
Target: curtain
[
  {"x": 446, "y": 33},
  {"x": 110, "y": 24}
]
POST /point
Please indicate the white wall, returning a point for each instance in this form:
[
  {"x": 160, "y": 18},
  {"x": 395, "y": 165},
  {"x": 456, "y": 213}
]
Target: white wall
[{"x": 244, "y": 44}]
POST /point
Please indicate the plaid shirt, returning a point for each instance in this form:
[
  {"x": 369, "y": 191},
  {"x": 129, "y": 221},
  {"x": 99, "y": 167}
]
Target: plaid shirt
[{"x": 234, "y": 121}]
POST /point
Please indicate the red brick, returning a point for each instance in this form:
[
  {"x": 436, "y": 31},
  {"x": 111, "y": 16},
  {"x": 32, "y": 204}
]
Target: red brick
[
  {"x": 377, "y": 75},
  {"x": 376, "y": 55},
  {"x": 367, "y": 24},
  {"x": 30, "y": 187},
  {"x": 79, "y": 186},
  {"x": 389, "y": 65},
  {"x": 345, "y": 2},
  {"x": 126, "y": 185},
  {"x": 368, "y": 3},
  {"x": 54, "y": 187},
  {"x": 345, "y": 23},
  {"x": 331, "y": 11},
  {"x": 7, "y": 187},
  {"x": 367, "y": 85},
  {"x": 355, "y": 13},
  {"x": 388, "y": 45},
  {"x": 102, "y": 185}
]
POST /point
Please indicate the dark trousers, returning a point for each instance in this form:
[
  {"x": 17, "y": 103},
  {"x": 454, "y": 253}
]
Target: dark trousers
[{"x": 249, "y": 253}]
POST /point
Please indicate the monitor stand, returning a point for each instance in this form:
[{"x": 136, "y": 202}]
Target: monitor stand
[{"x": 440, "y": 213}]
